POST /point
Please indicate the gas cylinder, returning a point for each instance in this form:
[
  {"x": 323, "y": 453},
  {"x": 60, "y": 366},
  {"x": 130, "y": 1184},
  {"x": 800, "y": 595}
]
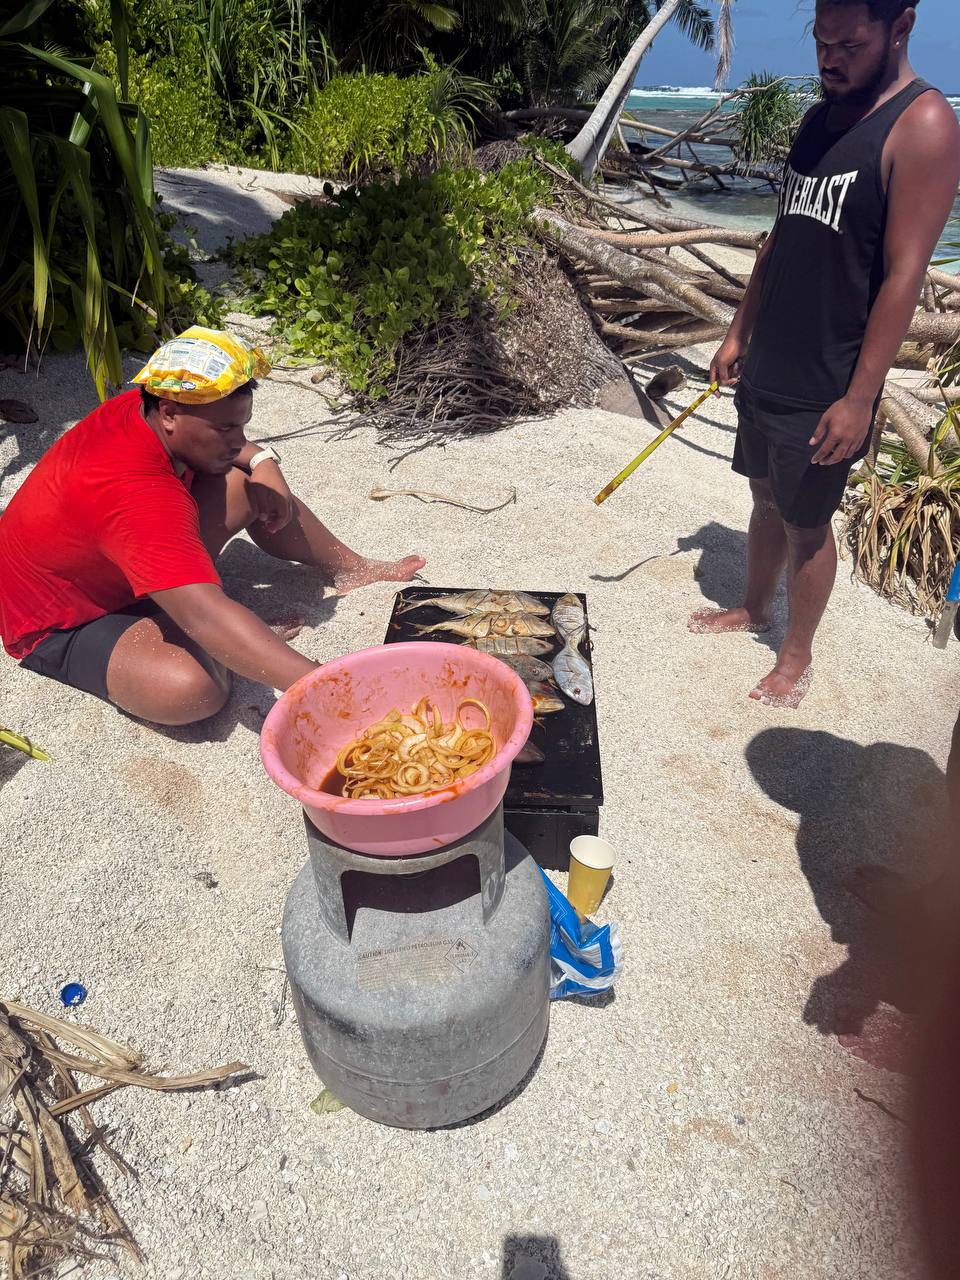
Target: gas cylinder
[{"x": 420, "y": 983}]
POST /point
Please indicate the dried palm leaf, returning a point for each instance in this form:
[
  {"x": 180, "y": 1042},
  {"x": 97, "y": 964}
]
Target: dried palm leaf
[
  {"x": 53, "y": 1205},
  {"x": 904, "y": 537}
]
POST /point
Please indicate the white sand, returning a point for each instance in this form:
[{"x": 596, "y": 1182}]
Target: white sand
[{"x": 702, "y": 1124}]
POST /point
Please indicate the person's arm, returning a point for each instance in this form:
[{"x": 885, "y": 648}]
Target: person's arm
[
  {"x": 922, "y": 187},
  {"x": 232, "y": 635},
  {"x": 725, "y": 366},
  {"x": 267, "y": 489}
]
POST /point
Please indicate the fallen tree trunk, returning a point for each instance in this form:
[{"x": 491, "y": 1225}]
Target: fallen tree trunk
[
  {"x": 945, "y": 279},
  {"x": 677, "y": 239},
  {"x": 732, "y": 170},
  {"x": 935, "y": 329},
  {"x": 896, "y": 404},
  {"x": 627, "y": 121},
  {"x": 633, "y": 272},
  {"x": 590, "y": 144},
  {"x": 935, "y": 395},
  {"x": 653, "y": 340}
]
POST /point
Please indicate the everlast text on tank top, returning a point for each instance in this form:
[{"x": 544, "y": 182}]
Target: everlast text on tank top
[{"x": 826, "y": 263}]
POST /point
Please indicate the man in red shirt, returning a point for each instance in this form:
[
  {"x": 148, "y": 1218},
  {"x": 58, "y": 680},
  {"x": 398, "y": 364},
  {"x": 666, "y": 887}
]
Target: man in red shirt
[{"x": 107, "y": 550}]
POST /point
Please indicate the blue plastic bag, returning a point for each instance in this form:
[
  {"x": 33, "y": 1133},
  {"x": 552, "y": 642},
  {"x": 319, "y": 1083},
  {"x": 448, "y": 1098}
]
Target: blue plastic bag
[{"x": 585, "y": 959}]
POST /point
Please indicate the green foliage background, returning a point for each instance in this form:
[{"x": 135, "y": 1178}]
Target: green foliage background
[{"x": 352, "y": 281}]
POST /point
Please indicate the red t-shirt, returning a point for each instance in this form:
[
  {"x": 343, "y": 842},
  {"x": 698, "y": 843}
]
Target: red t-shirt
[{"x": 102, "y": 520}]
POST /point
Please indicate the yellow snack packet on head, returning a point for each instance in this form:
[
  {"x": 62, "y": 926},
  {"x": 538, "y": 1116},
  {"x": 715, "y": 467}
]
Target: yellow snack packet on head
[{"x": 201, "y": 366}]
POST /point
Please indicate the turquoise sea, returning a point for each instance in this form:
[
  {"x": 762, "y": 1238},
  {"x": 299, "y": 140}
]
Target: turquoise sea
[{"x": 745, "y": 203}]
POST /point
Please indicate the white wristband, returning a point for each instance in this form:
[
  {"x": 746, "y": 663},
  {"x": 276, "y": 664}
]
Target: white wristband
[{"x": 262, "y": 455}]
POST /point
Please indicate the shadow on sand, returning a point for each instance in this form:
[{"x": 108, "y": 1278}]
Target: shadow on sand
[
  {"x": 883, "y": 804},
  {"x": 33, "y": 439},
  {"x": 529, "y": 1257},
  {"x": 216, "y": 211},
  {"x": 280, "y": 593},
  {"x": 721, "y": 571}
]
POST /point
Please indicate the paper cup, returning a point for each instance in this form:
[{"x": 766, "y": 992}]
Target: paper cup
[{"x": 591, "y": 861}]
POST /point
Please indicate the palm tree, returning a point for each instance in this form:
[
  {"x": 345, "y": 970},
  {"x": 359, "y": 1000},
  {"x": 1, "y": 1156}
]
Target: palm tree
[
  {"x": 564, "y": 50},
  {"x": 590, "y": 144}
]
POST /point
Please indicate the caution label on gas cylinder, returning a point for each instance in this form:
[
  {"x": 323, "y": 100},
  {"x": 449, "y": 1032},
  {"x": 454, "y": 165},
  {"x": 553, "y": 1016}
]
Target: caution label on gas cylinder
[{"x": 438, "y": 960}]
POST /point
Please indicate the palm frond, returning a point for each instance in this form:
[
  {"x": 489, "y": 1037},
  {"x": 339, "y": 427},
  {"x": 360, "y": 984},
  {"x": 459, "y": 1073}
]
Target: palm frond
[
  {"x": 438, "y": 16},
  {"x": 725, "y": 43},
  {"x": 696, "y": 23}
]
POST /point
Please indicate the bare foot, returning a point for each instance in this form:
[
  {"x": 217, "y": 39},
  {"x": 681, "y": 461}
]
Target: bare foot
[
  {"x": 785, "y": 686},
  {"x": 367, "y": 571},
  {"x": 717, "y": 621},
  {"x": 287, "y": 630}
]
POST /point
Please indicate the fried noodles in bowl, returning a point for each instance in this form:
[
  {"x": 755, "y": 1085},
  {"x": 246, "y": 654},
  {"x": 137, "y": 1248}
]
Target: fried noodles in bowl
[{"x": 411, "y": 755}]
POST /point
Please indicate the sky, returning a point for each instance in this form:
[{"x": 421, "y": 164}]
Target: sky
[{"x": 772, "y": 36}]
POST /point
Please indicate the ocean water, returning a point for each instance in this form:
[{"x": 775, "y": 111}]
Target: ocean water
[{"x": 744, "y": 203}]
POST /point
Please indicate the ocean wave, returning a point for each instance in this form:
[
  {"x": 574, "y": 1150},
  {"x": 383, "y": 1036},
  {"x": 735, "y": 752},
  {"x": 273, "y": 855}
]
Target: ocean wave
[{"x": 673, "y": 91}]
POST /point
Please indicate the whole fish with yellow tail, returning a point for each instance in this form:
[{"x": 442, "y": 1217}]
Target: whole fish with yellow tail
[
  {"x": 569, "y": 618},
  {"x": 572, "y": 674},
  {"x": 464, "y": 602},
  {"x": 544, "y": 699},
  {"x": 510, "y": 646}
]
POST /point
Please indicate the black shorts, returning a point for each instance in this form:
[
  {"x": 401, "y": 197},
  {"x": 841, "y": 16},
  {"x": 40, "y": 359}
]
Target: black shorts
[
  {"x": 773, "y": 444},
  {"x": 80, "y": 656}
]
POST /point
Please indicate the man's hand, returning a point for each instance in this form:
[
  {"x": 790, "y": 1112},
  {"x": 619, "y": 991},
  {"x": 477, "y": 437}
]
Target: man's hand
[
  {"x": 270, "y": 495},
  {"x": 841, "y": 431},
  {"x": 725, "y": 365}
]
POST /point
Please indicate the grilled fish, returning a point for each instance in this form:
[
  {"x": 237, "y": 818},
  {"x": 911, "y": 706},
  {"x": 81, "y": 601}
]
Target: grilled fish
[
  {"x": 519, "y": 624},
  {"x": 573, "y": 674},
  {"x": 569, "y": 618},
  {"x": 527, "y": 668},
  {"x": 545, "y": 700},
  {"x": 475, "y": 626},
  {"x": 513, "y": 646},
  {"x": 464, "y": 602},
  {"x": 529, "y": 753}
]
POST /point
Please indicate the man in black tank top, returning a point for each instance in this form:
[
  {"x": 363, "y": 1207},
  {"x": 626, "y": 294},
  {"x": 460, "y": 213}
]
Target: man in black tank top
[{"x": 867, "y": 190}]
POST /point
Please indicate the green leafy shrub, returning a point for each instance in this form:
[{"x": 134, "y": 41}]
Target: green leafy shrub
[
  {"x": 351, "y": 281},
  {"x": 186, "y": 116},
  {"x": 248, "y": 64},
  {"x": 358, "y": 126},
  {"x": 554, "y": 151}
]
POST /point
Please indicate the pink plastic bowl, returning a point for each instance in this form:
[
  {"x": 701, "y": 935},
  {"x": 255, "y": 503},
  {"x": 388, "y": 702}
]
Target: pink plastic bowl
[{"x": 310, "y": 724}]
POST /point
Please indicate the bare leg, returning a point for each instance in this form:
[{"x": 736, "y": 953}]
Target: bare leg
[
  {"x": 766, "y": 558},
  {"x": 225, "y": 509},
  {"x": 157, "y": 673},
  {"x": 811, "y": 572}
]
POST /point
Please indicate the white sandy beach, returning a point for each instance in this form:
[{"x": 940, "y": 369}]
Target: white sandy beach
[{"x": 703, "y": 1123}]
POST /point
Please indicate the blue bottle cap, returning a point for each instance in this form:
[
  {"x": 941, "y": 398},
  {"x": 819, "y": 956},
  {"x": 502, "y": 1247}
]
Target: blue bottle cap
[{"x": 73, "y": 993}]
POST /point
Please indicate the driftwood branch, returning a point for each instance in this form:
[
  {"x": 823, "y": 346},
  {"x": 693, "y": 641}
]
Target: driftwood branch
[
  {"x": 677, "y": 239},
  {"x": 631, "y": 271}
]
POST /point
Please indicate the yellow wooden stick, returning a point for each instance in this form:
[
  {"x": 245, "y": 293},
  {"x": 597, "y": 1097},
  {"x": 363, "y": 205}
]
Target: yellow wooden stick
[
  {"x": 625, "y": 474},
  {"x": 20, "y": 743}
]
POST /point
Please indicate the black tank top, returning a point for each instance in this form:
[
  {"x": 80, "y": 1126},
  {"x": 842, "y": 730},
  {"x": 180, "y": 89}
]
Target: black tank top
[{"x": 826, "y": 264}]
